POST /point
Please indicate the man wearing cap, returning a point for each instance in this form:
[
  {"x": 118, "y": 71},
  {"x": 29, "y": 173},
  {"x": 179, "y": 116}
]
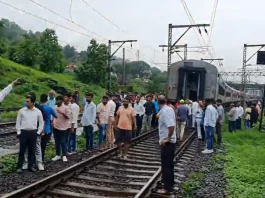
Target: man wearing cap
[{"x": 182, "y": 113}]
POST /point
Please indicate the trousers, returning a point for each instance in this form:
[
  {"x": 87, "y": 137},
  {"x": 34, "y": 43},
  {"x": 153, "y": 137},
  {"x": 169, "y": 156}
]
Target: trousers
[
  {"x": 72, "y": 142},
  {"x": 102, "y": 133},
  {"x": 89, "y": 137},
  {"x": 27, "y": 140},
  {"x": 198, "y": 125},
  {"x": 60, "y": 137},
  {"x": 218, "y": 129},
  {"x": 180, "y": 129},
  {"x": 167, "y": 165},
  {"x": 139, "y": 121},
  {"x": 209, "y": 137},
  {"x": 147, "y": 121}
]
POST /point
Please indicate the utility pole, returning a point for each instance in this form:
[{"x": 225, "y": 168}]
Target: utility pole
[
  {"x": 111, "y": 55},
  {"x": 245, "y": 60},
  {"x": 171, "y": 46},
  {"x": 138, "y": 55},
  {"x": 123, "y": 62}
]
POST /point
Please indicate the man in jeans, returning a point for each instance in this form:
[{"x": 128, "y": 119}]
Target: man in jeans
[
  {"x": 220, "y": 121},
  {"x": 88, "y": 119},
  {"x": 167, "y": 141},
  {"x": 149, "y": 111},
  {"x": 29, "y": 126},
  {"x": 182, "y": 117},
  {"x": 60, "y": 129},
  {"x": 102, "y": 118},
  {"x": 210, "y": 120}
]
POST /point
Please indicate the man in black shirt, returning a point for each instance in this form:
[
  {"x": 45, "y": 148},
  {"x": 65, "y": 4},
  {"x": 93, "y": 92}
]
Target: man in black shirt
[{"x": 149, "y": 111}]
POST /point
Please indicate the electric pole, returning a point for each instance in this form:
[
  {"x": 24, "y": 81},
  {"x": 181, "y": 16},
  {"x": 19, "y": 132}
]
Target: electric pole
[
  {"x": 111, "y": 55},
  {"x": 171, "y": 46},
  {"x": 123, "y": 62},
  {"x": 245, "y": 60}
]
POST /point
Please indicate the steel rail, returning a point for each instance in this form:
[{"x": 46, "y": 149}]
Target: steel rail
[
  {"x": 48, "y": 182},
  {"x": 147, "y": 187}
]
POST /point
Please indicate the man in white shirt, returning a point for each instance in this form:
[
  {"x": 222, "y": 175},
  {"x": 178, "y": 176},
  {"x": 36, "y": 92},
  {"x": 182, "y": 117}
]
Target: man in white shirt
[
  {"x": 7, "y": 90},
  {"x": 88, "y": 119},
  {"x": 189, "y": 121},
  {"x": 140, "y": 111},
  {"x": 110, "y": 129},
  {"x": 75, "y": 110},
  {"x": 167, "y": 141},
  {"x": 194, "y": 110},
  {"x": 210, "y": 120},
  {"x": 29, "y": 125},
  {"x": 240, "y": 113}
]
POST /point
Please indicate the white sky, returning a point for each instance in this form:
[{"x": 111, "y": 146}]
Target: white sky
[{"x": 237, "y": 22}]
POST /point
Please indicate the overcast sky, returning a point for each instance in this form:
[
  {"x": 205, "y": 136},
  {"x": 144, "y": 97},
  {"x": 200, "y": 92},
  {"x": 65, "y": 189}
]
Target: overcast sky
[{"x": 236, "y": 22}]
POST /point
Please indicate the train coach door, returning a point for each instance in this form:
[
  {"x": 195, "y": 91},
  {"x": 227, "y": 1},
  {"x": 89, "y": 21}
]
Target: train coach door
[{"x": 191, "y": 83}]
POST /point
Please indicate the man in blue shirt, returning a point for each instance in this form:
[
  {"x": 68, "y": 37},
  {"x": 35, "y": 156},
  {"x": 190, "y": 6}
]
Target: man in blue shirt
[
  {"x": 51, "y": 99},
  {"x": 154, "y": 119},
  {"x": 47, "y": 112}
]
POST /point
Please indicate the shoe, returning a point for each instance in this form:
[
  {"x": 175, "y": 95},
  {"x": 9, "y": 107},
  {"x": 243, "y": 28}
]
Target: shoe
[
  {"x": 64, "y": 159},
  {"x": 125, "y": 157},
  {"x": 56, "y": 158},
  {"x": 25, "y": 167},
  {"x": 206, "y": 151},
  {"x": 119, "y": 156},
  {"x": 19, "y": 171},
  {"x": 40, "y": 166},
  {"x": 32, "y": 169}
]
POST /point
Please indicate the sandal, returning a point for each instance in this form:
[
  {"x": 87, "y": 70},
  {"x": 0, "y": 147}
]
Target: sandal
[{"x": 162, "y": 191}]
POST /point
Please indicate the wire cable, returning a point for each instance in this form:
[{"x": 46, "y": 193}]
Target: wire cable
[
  {"x": 70, "y": 10},
  {"x": 114, "y": 24},
  {"x": 213, "y": 18},
  {"x": 71, "y": 21}
]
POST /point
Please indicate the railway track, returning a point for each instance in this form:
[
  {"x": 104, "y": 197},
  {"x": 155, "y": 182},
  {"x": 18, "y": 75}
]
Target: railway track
[{"x": 106, "y": 175}]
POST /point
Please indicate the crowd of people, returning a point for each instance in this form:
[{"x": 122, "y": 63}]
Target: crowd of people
[{"x": 120, "y": 117}]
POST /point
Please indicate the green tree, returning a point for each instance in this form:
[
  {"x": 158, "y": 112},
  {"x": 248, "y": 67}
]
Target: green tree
[
  {"x": 3, "y": 47},
  {"x": 26, "y": 52},
  {"x": 94, "y": 69},
  {"x": 50, "y": 52}
]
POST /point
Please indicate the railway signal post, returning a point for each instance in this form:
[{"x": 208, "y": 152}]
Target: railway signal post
[{"x": 110, "y": 55}]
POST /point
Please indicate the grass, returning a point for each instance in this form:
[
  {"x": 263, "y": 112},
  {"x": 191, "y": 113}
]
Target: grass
[
  {"x": 192, "y": 183},
  {"x": 32, "y": 78},
  {"x": 245, "y": 164}
]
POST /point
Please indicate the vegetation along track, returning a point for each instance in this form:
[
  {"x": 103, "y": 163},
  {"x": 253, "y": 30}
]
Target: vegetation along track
[{"x": 106, "y": 175}]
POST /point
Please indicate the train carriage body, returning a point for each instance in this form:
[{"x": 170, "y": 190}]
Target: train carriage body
[{"x": 193, "y": 79}]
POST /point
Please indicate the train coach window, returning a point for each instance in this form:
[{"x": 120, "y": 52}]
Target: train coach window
[
  {"x": 228, "y": 94},
  {"x": 221, "y": 91},
  {"x": 188, "y": 64}
]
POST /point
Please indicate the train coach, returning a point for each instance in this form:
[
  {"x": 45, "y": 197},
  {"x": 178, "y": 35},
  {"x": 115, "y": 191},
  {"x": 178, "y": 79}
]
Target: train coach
[{"x": 192, "y": 79}]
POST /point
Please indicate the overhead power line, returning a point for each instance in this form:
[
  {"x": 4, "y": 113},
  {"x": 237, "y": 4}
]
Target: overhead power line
[
  {"x": 213, "y": 18},
  {"x": 114, "y": 24},
  {"x": 71, "y": 21}
]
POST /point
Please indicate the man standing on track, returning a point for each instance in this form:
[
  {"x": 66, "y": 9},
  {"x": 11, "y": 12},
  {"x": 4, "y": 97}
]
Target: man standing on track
[
  {"x": 111, "y": 121},
  {"x": 29, "y": 126},
  {"x": 61, "y": 124},
  {"x": 102, "y": 118},
  {"x": 125, "y": 116},
  {"x": 140, "y": 110},
  {"x": 149, "y": 111},
  {"x": 88, "y": 119},
  {"x": 75, "y": 110},
  {"x": 167, "y": 140},
  {"x": 182, "y": 118},
  {"x": 194, "y": 110}
]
